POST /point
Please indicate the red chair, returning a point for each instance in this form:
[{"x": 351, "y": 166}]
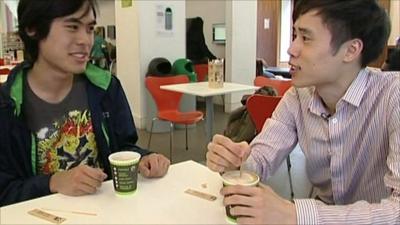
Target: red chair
[
  {"x": 280, "y": 85},
  {"x": 260, "y": 108},
  {"x": 4, "y": 71},
  {"x": 167, "y": 103},
  {"x": 201, "y": 71}
]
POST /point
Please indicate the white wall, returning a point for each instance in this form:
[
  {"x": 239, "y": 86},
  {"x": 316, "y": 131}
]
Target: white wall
[
  {"x": 106, "y": 15},
  {"x": 211, "y": 12},
  {"x": 241, "y": 21},
  {"x": 395, "y": 18},
  {"x": 138, "y": 42},
  {"x": 155, "y": 44},
  {"x": 127, "y": 40}
]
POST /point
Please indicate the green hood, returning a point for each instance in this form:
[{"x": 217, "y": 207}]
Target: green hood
[{"x": 95, "y": 75}]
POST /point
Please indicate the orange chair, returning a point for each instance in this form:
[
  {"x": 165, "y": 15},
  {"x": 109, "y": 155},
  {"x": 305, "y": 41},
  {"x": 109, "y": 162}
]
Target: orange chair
[
  {"x": 4, "y": 71},
  {"x": 201, "y": 71},
  {"x": 280, "y": 85},
  {"x": 167, "y": 103},
  {"x": 260, "y": 108}
]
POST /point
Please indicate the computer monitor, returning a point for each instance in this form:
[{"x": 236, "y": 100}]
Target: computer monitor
[{"x": 219, "y": 33}]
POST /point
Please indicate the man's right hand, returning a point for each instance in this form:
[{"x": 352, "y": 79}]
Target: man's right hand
[
  {"x": 223, "y": 154},
  {"x": 80, "y": 180}
]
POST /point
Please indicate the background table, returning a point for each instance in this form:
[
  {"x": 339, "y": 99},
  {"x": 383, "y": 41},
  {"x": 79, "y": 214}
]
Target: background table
[
  {"x": 3, "y": 78},
  {"x": 157, "y": 201},
  {"x": 201, "y": 89}
]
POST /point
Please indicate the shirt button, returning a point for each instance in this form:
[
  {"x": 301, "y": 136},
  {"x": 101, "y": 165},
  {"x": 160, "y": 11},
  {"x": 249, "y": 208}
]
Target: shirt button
[{"x": 334, "y": 120}]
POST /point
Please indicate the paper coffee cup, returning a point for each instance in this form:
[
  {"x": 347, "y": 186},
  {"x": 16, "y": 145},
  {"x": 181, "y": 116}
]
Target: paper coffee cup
[
  {"x": 235, "y": 178},
  {"x": 124, "y": 170}
]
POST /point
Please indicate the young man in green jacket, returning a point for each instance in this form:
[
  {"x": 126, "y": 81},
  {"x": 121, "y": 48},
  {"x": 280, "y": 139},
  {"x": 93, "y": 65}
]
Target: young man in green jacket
[{"x": 61, "y": 117}]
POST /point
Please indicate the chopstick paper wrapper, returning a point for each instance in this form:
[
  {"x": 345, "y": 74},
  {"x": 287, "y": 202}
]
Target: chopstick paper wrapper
[
  {"x": 201, "y": 195},
  {"x": 46, "y": 216}
]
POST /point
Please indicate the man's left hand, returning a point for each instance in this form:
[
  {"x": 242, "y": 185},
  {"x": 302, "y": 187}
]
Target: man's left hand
[
  {"x": 261, "y": 205},
  {"x": 154, "y": 165}
]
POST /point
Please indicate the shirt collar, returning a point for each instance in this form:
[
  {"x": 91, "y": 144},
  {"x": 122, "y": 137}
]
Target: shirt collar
[
  {"x": 353, "y": 95},
  {"x": 356, "y": 91}
]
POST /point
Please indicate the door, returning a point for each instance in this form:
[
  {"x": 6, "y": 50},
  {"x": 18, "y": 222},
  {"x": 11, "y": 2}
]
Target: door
[{"x": 268, "y": 14}]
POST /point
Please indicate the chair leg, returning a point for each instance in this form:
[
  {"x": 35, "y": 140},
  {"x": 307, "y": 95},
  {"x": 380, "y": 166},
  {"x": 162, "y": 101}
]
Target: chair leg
[
  {"x": 187, "y": 147},
  {"x": 289, "y": 166},
  {"x": 151, "y": 132},
  {"x": 170, "y": 140},
  {"x": 311, "y": 192}
]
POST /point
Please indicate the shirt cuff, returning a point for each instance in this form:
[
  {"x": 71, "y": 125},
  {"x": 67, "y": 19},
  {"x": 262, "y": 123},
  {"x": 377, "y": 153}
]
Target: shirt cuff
[{"x": 306, "y": 211}]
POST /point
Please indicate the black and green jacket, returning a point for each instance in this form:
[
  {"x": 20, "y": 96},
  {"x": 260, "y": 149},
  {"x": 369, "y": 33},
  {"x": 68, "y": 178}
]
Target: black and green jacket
[{"x": 112, "y": 120}]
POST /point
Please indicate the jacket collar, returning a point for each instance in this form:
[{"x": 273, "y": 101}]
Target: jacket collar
[{"x": 14, "y": 86}]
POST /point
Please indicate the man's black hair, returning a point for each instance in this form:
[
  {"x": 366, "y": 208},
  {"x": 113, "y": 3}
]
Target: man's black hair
[
  {"x": 37, "y": 16},
  {"x": 350, "y": 19}
]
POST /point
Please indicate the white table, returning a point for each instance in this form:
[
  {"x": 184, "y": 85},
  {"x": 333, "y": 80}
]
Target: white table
[
  {"x": 202, "y": 89},
  {"x": 10, "y": 67},
  {"x": 3, "y": 78},
  {"x": 157, "y": 201}
]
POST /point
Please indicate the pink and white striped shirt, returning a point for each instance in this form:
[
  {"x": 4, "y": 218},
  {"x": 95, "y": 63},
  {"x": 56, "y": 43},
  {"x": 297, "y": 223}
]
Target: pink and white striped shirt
[{"x": 352, "y": 157}]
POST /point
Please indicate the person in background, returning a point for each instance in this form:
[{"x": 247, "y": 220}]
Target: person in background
[
  {"x": 345, "y": 117},
  {"x": 392, "y": 63},
  {"x": 61, "y": 117},
  {"x": 99, "y": 50}
]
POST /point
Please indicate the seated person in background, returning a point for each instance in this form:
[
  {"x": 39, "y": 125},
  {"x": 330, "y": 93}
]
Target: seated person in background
[
  {"x": 260, "y": 68},
  {"x": 99, "y": 53},
  {"x": 60, "y": 117},
  {"x": 345, "y": 117},
  {"x": 196, "y": 47},
  {"x": 393, "y": 61}
]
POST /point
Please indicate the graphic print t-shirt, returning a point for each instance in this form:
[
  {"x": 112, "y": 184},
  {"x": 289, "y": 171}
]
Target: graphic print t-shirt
[{"x": 64, "y": 131}]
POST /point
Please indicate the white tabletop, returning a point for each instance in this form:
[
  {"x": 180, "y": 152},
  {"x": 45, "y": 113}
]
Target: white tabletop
[
  {"x": 157, "y": 201},
  {"x": 10, "y": 67},
  {"x": 202, "y": 89},
  {"x": 3, "y": 78}
]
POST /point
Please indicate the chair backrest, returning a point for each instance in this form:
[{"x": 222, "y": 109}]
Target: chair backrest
[
  {"x": 201, "y": 71},
  {"x": 280, "y": 85},
  {"x": 4, "y": 71},
  {"x": 165, "y": 100},
  {"x": 260, "y": 108}
]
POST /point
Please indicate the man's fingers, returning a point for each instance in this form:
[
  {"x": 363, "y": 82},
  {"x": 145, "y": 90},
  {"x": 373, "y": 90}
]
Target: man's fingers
[
  {"x": 241, "y": 190},
  {"x": 224, "y": 156},
  {"x": 164, "y": 164},
  {"x": 94, "y": 173},
  {"x": 246, "y": 220},
  {"x": 143, "y": 168},
  {"x": 235, "y": 148},
  {"x": 87, "y": 188},
  {"x": 215, "y": 163},
  {"x": 239, "y": 199},
  {"x": 242, "y": 211}
]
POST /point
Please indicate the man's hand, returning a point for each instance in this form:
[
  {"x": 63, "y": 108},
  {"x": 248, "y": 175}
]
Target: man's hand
[
  {"x": 224, "y": 154},
  {"x": 261, "y": 205},
  {"x": 154, "y": 165},
  {"x": 80, "y": 180}
]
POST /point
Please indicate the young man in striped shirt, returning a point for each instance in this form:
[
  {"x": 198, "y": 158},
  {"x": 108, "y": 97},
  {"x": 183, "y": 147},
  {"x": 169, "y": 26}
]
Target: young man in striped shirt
[{"x": 345, "y": 117}]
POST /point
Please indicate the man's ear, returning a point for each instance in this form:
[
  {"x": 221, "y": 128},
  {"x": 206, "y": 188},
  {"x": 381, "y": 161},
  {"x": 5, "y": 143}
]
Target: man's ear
[{"x": 353, "y": 50}]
